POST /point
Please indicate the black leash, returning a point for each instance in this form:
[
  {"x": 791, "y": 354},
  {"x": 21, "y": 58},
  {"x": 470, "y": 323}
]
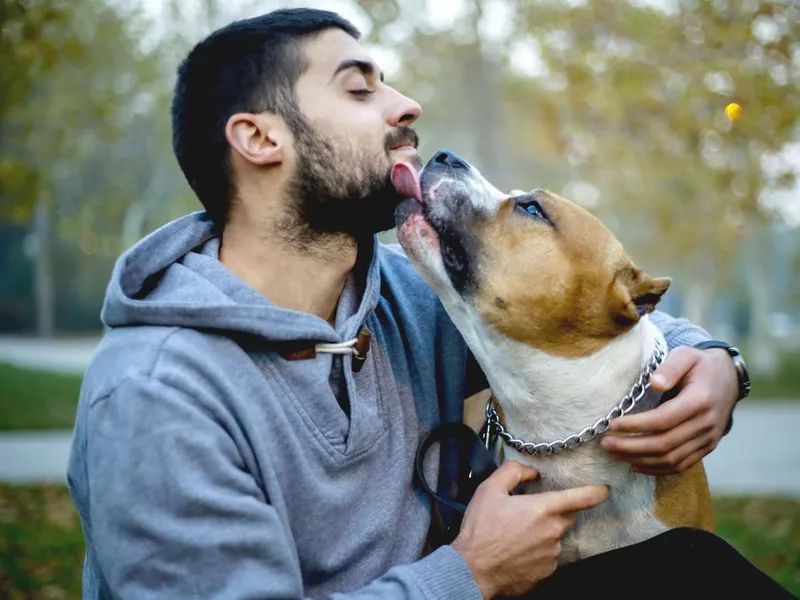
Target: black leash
[{"x": 473, "y": 464}]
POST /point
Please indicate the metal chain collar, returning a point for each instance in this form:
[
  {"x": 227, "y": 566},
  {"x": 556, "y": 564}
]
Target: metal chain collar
[{"x": 627, "y": 404}]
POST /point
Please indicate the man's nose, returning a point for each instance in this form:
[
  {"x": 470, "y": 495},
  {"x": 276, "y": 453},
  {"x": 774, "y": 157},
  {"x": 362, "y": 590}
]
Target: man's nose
[
  {"x": 448, "y": 158},
  {"x": 404, "y": 112}
]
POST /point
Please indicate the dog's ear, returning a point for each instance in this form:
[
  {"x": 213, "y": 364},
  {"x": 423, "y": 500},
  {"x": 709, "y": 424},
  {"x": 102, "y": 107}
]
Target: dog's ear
[{"x": 634, "y": 293}]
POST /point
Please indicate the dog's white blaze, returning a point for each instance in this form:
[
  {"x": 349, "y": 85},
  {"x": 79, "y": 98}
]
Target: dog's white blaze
[
  {"x": 483, "y": 196},
  {"x": 490, "y": 198}
]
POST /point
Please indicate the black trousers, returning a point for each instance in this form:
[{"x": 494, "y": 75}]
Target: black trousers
[{"x": 681, "y": 564}]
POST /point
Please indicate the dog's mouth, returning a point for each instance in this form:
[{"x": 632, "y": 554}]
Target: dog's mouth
[
  {"x": 424, "y": 230},
  {"x": 413, "y": 224},
  {"x": 406, "y": 181}
]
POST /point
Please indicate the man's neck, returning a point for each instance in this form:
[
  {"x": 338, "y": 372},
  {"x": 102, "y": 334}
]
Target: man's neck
[{"x": 308, "y": 278}]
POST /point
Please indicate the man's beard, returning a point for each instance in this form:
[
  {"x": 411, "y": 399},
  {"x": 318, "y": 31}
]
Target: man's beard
[{"x": 344, "y": 190}]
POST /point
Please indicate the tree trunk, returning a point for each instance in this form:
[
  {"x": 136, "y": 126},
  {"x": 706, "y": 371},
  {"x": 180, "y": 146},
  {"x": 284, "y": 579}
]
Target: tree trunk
[{"x": 44, "y": 286}]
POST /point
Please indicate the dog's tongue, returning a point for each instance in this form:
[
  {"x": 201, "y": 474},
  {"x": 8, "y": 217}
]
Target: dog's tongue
[{"x": 406, "y": 181}]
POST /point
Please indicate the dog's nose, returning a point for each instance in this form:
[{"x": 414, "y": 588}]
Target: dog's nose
[{"x": 447, "y": 158}]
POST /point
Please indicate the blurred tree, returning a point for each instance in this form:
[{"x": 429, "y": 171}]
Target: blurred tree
[
  {"x": 84, "y": 135},
  {"x": 641, "y": 111},
  {"x": 33, "y": 40},
  {"x": 85, "y": 141}
]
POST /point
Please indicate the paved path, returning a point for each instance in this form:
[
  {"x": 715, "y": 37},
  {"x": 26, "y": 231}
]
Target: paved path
[
  {"x": 760, "y": 456},
  {"x": 35, "y": 457},
  {"x": 62, "y": 355}
]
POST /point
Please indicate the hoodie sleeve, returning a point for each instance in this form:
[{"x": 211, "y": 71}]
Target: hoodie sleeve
[
  {"x": 678, "y": 332},
  {"x": 175, "y": 514}
]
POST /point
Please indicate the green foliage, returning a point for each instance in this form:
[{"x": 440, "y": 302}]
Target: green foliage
[
  {"x": 34, "y": 38},
  {"x": 86, "y": 129}
]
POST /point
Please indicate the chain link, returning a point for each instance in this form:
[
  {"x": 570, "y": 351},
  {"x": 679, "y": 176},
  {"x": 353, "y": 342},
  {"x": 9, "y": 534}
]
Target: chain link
[{"x": 588, "y": 434}]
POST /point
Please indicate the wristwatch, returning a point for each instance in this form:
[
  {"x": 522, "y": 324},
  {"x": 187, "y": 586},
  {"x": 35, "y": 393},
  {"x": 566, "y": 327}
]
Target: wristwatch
[{"x": 738, "y": 362}]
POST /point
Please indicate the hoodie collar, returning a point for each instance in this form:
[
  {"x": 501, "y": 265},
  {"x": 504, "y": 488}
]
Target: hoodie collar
[{"x": 173, "y": 277}]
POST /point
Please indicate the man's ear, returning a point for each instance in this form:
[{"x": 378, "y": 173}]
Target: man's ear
[
  {"x": 634, "y": 293},
  {"x": 259, "y": 139}
]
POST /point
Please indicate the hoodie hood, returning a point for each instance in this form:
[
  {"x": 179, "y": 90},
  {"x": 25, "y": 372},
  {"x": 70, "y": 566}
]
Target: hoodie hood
[{"x": 174, "y": 278}]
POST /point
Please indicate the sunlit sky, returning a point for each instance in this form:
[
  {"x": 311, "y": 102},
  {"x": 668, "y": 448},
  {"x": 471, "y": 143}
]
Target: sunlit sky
[{"x": 440, "y": 14}]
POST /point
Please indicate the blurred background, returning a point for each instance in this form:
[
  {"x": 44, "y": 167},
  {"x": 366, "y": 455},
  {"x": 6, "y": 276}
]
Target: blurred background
[{"x": 618, "y": 105}]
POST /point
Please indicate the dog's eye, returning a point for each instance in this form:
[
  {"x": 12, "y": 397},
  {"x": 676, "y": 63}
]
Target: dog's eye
[
  {"x": 534, "y": 209},
  {"x": 531, "y": 207}
]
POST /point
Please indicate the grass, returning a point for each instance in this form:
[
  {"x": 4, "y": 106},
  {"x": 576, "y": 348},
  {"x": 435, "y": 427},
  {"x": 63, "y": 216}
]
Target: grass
[
  {"x": 31, "y": 399},
  {"x": 41, "y": 545},
  {"x": 767, "y": 532}
]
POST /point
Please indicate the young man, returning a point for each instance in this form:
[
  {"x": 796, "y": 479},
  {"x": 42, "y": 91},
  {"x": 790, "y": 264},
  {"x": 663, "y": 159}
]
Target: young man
[{"x": 216, "y": 453}]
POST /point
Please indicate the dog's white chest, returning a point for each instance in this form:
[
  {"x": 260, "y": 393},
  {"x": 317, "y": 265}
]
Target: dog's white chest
[
  {"x": 564, "y": 408},
  {"x": 626, "y": 518}
]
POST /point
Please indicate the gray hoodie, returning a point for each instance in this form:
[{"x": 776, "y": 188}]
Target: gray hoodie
[{"x": 206, "y": 465}]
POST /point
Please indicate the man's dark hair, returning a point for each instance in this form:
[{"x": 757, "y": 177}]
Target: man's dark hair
[{"x": 248, "y": 66}]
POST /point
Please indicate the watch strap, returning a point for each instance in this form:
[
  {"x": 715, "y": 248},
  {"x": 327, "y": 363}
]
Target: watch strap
[{"x": 708, "y": 344}]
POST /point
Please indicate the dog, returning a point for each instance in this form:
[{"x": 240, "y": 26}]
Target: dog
[{"x": 555, "y": 312}]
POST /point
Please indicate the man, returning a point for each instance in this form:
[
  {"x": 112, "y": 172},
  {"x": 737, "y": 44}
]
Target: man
[{"x": 226, "y": 445}]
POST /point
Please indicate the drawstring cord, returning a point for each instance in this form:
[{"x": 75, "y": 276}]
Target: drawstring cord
[{"x": 358, "y": 348}]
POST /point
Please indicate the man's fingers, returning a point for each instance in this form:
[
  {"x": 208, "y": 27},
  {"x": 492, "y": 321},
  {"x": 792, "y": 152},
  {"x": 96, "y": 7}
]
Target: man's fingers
[
  {"x": 572, "y": 499},
  {"x": 677, "y": 364},
  {"x": 652, "y": 445},
  {"x": 509, "y": 475},
  {"x": 696, "y": 457},
  {"x": 668, "y": 459},
  {"x": 684, "y": 465},
  {"x": 665, "y": 417}
]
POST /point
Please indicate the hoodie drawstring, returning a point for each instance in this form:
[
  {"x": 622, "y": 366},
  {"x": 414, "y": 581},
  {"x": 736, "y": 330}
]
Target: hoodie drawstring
[{"x": 357, "y": 347}]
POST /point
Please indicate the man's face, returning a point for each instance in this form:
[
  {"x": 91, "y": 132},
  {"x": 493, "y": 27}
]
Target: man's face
[{"x": 355, "y": 128}]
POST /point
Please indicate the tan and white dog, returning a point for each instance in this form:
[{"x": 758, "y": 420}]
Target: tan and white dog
[{"x": 556, "y": 314}]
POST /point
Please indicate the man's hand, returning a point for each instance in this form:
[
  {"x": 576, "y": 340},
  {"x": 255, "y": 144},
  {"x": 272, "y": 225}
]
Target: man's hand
[
  {"x": 512, "y": 542},
  {"x": 680, "y": 432}
]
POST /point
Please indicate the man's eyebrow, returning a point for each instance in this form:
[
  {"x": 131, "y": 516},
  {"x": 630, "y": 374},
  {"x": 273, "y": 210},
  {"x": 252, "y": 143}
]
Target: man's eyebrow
[{"x": 366, "y": 67}]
